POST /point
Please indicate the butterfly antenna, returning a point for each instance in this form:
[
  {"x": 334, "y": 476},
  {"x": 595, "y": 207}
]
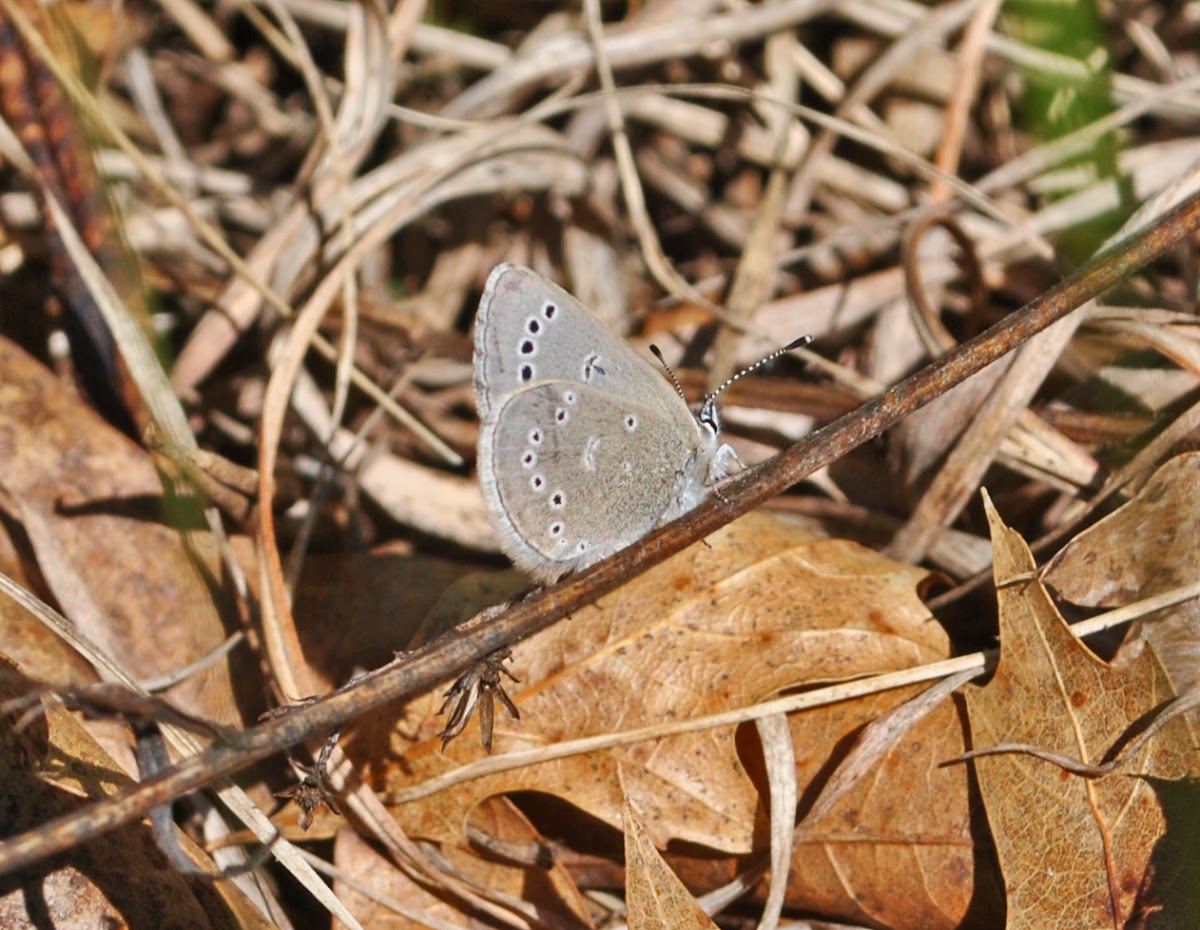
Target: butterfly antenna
[
  {"x": 794, "y": 344},
  {"x": 708, "y": 413},
  {"x": 670, "y": 373}
]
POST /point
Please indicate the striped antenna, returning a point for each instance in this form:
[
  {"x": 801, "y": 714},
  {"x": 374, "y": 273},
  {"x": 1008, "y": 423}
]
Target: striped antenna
[
  {"x": 794, "y": 344},
  {"x": 708, "y": 411},
  {"x": 670, "y": 371}
]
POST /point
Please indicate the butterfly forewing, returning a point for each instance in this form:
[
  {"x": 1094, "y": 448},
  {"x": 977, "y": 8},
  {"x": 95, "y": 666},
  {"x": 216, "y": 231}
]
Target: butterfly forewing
[{"x": 530, "y": 330}]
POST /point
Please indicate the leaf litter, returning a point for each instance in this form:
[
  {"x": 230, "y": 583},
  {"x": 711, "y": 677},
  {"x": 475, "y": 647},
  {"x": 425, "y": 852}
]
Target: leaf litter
[{"x": 375, "y": 215}]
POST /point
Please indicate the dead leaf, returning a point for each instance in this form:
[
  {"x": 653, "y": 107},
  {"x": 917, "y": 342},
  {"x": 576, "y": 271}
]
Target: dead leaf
[
  {"x": 757, "y": 609},
  {"x": 900, "y": 845},
  {"x": 889, "y": 838},
  {"x": 1075, "y": 851},
  {"x": 100, "y": 503},
  {"x": 654, "y": 896},
  {"x": 1147, "y": 547}
]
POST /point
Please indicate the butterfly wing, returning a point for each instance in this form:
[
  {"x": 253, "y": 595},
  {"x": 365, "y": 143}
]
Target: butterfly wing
[
  {"x": 529, "y": 329},
  {"x": 572, "y": 474}
]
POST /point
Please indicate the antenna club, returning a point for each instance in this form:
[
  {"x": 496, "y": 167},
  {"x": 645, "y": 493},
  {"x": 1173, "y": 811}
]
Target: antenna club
[{"x": 670, "y": 373}]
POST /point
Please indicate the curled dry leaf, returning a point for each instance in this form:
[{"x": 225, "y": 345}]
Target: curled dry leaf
[{"x": 1075, "y": 851}]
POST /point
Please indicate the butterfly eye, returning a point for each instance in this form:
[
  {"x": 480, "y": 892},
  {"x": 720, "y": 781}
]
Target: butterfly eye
[{"x": 708, "y": 416}]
